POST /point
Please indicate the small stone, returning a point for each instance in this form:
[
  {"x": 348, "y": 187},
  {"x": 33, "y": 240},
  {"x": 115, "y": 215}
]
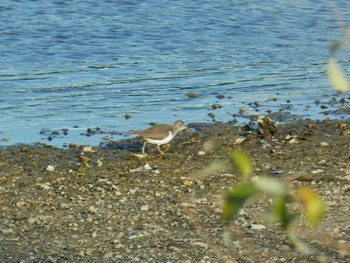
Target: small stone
[
  {"x": 324, "y": 144},
  {"x": 242, "y": 110},
  {"x": 132, "y": 191},
  {"x": 92, "y": 210},
  {"x": 346, "y": 187},
  {"x": 144, "y": 208},
  {"x": 89, "y": 149},
  {"x": 293, "y": 141},
  {"x": 64, "y": 206},
  {"x": 256, "y": 227},
  {"x": 3, "y": 180},
  {"x": 50, "y": 168},
  {"x": 45, "y": 186},
  {"x": 7, "y": 231},
  {"x": 346, "y": 132},
  {"x": 135, "y": 170},
  {"x": 84, "y": 159},
  {"x": 192, "y": 95},
  {"x": 99, "y": 163},
  {"x": 20, "y": 203},
  {"x": 147, "y": 167},
  {"x": 108, "y": 256},
  {"x": 31, "y": 220},
  {"x": 135, "y": 235},
  {"x": 51, "y": 259},
  {"x": 188, "y": 183},
  {"x": 201, "y": 153},
  {"x": 127, "y": 116},
  {"x": 200, "y": 244},
  {"x": 239, "y": 140},
  {"x": 215, "y": 106},
  {"x": 20, "y": 217}
]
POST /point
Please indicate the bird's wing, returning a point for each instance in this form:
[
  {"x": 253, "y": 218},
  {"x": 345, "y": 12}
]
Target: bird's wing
[{"x": 157, "y": 132}]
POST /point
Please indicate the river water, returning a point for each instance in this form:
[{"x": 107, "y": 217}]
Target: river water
[{"x": 82, "y": 64}]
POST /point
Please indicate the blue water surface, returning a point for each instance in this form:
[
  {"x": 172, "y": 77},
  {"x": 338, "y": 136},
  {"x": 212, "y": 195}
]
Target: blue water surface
[{"x": 83, "y": 64}]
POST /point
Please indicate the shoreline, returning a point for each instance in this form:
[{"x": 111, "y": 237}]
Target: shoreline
[{"x": 333, "y": 108}]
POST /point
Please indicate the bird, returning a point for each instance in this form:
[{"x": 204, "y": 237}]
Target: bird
[{"x": 159, "y": 134}]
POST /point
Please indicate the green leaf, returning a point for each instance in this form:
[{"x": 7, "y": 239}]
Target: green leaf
[
  {"x": 243, "y": 162},
  {"x": 281, "y": 211},
  {"x": 315, "y": 208},
  {"x": 236, "y": 198},
  {"x": 271, "y": 186}
]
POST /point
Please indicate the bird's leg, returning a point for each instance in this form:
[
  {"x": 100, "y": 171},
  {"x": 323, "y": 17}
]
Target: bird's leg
[
  {"x": 158, "y": 147},
  {"x": 143, "y": 148}
]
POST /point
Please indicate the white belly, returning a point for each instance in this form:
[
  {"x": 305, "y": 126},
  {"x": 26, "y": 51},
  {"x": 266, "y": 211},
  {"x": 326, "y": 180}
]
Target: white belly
[{"x": 160, "y": 142}]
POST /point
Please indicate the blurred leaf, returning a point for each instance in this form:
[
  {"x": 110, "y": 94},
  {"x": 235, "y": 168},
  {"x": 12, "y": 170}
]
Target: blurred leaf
[
  {"x": 227, "y": 236},
  {"x": 334, "y": 47},
  {"x": 314, "y": 206},
  {"x": 243, "y": 162},
  {"x": 300, "y": 246},
  {"x": 271, "y": 186},
  {"x": 281, "y": 211},
  {"x": 337, "y": 77},
  {"x": 209, "y": 170},
  {"x": 236, "y": 198}
]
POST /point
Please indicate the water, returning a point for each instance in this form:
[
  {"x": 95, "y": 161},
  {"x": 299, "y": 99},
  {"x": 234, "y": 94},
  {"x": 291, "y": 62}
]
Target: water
[{"x": 84, "y": 64}]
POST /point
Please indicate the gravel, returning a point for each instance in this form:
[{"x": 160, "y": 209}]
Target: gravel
[{"x": 108, "y": 205}]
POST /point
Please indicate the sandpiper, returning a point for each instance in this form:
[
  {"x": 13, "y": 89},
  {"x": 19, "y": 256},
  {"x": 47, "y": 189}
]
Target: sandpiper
[{"x": 159, "y": 134}]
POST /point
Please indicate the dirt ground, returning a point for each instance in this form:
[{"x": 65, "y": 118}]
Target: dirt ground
[{"x": 107, "y": 205}]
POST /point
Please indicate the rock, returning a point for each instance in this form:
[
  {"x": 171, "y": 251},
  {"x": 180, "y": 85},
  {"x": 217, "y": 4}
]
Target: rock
[
  {"x": 127, "y": 116},
  {"x": 147, "y": 167},
  {"x": 256, "y": 227},
  {"x": 324, "y": 144},
  {"x": 50, "y": 168},
  {"x": 267, "y": 127},
  {"x": 144, "y": 208},
  {"x": 192, "y": 95},
  {"x": 92, "y": 210}
]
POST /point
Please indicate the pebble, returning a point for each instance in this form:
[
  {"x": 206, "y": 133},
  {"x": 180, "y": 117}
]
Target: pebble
[
  {"x": 239, "y": 140},
  {"x": 50, "y": 168},
  {"x": 324, "y": 144},
  {"x": 7, "y": 231},
  {"x": 21, "y": 203},
  {"x": 127, "y": 116},
  {"x": 31, "y": 220},
  {"x": 256, "y": 227},
  {"x": 147, "y": 167},
  {"x": 201, "y": 153},
  {"x": 346, "y": 187},
  {"x": 144, "y": 208},
  {"x": 89, "y": 149},
  {"x": 92, "y": 210}
]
